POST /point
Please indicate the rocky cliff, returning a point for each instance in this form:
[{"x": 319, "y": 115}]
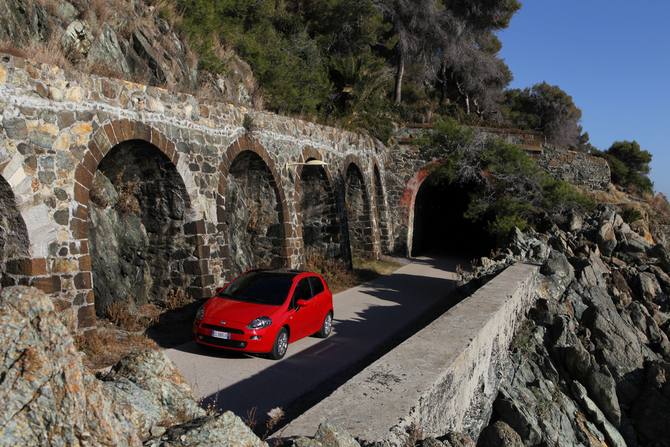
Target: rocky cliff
[
  {"x": 591, "y": 363},
  {"x": 125, "y": 39},
  {"x": 48, "y": 398}
]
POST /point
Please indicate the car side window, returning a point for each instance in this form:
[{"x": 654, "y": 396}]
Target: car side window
[
  {"x": 317, "y": 285},
  {"x": 302, "y": 291}
]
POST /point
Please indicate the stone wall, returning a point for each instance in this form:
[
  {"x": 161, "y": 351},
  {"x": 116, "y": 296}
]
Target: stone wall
[
  {"x": 408, "y": 133},
  {"x": 58, "y": 128},
  {"x": 441, "y": 379},
  {"x": 580, "y": 169}
]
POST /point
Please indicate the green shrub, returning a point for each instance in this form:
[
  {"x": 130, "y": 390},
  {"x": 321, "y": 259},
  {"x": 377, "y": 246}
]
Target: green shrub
[
  {"x": 631, "y": 214},
  {"x": 559, "y": 193}
]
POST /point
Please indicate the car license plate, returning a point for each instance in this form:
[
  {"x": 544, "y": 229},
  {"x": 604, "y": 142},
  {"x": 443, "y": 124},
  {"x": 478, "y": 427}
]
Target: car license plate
[{"x": 222, "y": 335}]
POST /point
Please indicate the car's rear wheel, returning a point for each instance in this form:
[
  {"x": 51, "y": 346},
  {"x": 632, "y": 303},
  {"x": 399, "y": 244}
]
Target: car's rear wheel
[
  {"x": 281, "y": 345},
  {"x": 326, "y": 327}
]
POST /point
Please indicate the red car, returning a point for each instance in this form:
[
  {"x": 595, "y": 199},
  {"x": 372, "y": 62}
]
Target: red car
[{"x": 263, "y": 310}]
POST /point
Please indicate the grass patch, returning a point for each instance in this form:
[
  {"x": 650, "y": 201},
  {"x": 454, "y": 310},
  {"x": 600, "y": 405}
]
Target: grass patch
[{"x": 523, "y": 340}]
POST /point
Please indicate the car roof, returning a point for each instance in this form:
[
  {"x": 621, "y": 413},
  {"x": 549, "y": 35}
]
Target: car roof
[{"x": 281, "y": 271}]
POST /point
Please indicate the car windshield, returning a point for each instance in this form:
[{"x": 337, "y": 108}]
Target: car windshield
[{"x": 260, "y": 287}]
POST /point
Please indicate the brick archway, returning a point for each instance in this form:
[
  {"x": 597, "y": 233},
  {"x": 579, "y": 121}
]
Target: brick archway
[
  {"x": 365, "y": 236},
  {"x": 101, "y": 142},
  {"x": 334, "y": 236},
  {"x": 247, "y": 143},
  {"x": 408, "y": 200}
]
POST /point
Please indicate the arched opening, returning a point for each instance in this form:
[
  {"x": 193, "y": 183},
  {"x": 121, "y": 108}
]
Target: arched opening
[
  {"x": 380, "y": 206},
  {"x": 14, "y": 241},
  {"x": 255, "y": 216},
  {"x": 439, "y": 227},
  {"x": 358, "y": 211},
  {"x": 320, "y": 221},
  {"x": 136, "y": 216}
]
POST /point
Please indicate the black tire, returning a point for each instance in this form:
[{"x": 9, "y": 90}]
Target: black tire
[
  {"x": 326, "y": 326},
  {"x": 281, "y": 345}
]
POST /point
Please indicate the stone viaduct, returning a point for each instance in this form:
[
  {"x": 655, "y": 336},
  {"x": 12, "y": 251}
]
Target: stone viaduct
[
  {"x": 198, "y": 194},
  {"x": 110, "y": 189}
]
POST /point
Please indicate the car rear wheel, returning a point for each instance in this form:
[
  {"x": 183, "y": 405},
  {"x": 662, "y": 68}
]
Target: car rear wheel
[
  {"x": 281, "y": 345},
  {"x": 326, "y": 327}
]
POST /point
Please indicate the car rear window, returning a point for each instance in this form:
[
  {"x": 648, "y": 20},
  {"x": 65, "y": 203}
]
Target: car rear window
[
  {"x": 317, "y": 285},
  {"x": 260, "y": 287}
]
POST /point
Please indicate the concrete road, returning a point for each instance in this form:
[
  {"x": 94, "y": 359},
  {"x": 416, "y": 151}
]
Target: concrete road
[{"x": 365, "y": 318}]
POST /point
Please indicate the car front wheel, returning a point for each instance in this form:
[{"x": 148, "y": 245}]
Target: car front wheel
[
  {"x": 281, "y": 345},
  {"x": 326, "y": 327}
]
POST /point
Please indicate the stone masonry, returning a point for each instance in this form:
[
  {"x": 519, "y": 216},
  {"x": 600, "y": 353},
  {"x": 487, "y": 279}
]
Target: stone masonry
[{"x": 57, "y": 126}]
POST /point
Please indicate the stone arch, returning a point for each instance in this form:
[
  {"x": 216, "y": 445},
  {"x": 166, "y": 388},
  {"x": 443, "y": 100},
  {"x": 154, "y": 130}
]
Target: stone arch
[
  {"x": 317, "y": 208},
  {"x": 358, "y": 209},
  {"x": 381, "y": 208},
  {"x": 16, "y": 265},
  {"x": 245, "y": 217},
  {"x": 164, "y": 261},
  {"x": 407, "y": 204},
  {"x": 438, "y": 226}
]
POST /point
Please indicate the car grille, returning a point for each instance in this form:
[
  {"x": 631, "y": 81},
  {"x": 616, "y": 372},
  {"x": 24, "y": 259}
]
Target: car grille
[
  {"x": 222, "y": 329},
  {"x": 223, "y": 343}
]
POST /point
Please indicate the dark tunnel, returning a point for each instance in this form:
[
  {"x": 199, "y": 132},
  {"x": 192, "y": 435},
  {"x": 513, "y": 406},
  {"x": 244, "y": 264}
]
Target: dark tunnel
[{"x": 439, "y": 226}]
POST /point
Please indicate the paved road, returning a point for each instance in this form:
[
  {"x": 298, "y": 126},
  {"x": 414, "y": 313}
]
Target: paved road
[{"x": 365, "y": 317}]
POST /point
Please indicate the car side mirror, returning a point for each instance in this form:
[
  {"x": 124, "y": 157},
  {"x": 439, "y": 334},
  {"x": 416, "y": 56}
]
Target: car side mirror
[{"x": 301, "y": 303}]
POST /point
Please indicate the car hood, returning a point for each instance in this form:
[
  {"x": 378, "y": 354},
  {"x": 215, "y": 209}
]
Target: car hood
[{"x": 237, "y": 311}]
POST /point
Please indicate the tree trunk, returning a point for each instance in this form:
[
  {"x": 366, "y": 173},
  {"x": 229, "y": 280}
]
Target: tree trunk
[
  {"x": 443, "y": 78},
  {"x": 398, "y": 78},
  {"x": 467, "y": 98}
]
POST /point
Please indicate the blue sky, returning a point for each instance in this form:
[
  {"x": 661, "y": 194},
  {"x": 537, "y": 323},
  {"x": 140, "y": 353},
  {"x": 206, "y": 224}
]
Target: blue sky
[{"x": 612, "y": 57}]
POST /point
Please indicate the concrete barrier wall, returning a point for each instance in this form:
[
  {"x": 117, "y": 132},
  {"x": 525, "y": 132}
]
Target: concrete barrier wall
[{"x": 438, "y": 380}]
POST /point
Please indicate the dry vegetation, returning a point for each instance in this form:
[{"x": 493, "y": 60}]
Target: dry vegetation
[
  {"x": 339, "y": 278},
  {"x": 127, "y": 328},
  {"x": 108, "y": 345}
]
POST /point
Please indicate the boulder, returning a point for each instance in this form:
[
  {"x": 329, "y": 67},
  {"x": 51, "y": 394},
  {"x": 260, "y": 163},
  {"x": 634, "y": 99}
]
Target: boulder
[
  {"x": 499, "y": 435},
  {"x": 48, "y": 398},
  {"x": 651, "y": 413},
  {"x": 597, "y": 417},
  {"x": 153, "y": 390},
  {"x": 606, "y": 238},
  {"x": 209, "y": 431},
  {"x": 602, "y": 389},
  {"x": 330, "y": 435},
  {"x": 459, "y": 440}
]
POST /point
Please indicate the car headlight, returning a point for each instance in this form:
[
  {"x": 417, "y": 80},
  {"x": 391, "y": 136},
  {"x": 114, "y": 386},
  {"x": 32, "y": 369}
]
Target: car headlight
[
  {"x": 260, "y": 323},
  {"x": 200, "y": 314}
]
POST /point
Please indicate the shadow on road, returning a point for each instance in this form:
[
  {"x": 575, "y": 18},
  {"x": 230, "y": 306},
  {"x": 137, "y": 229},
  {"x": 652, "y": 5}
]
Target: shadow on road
[{"x": 390, "y": 309}]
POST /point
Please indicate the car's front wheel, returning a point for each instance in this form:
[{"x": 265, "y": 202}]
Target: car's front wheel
[
  {"x": 281, "y": 345},
  {"x": 326, "y": 327}
]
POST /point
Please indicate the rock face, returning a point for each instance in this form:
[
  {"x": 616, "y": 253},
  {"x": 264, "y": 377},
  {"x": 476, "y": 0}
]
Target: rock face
[
  {"x": 129, "y": 41},
  {"x": 48, "y": 398},
  {"x": 591, "y": 363}
]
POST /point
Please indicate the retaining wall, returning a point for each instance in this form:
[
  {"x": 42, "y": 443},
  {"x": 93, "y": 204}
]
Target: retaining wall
[
  {"x": 580, "y": 169},
  {"x": 439, "y": 380}
]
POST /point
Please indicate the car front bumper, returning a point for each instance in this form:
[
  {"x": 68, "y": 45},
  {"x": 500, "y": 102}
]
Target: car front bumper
[{"x": 241, "y": 339}]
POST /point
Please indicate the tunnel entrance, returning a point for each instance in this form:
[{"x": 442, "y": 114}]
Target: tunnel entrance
[
  {"x": 255, "y": 215},
  {"x": 439, "y": 226},
  {"x": 320, "y": 222},
  {"x": 137, "y": 205}
]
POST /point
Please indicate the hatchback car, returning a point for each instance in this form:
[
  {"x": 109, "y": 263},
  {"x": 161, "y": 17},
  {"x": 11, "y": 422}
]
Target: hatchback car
[{"x": 263, "y": 310}]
